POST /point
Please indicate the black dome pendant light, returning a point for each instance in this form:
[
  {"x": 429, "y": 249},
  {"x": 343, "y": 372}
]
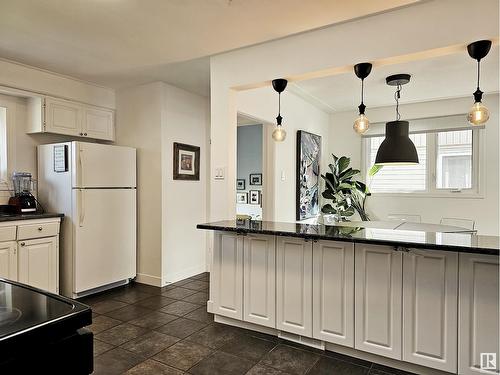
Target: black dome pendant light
[
  {"x": 361, "y": 124},
  {"x": 478, "y": 114},
  {"x": 279, "y": 134},
  {"x": 397, "y": 148}
]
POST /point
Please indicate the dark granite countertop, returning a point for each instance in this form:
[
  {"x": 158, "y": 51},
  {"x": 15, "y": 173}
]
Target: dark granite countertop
[
  {"x": 459, "y": 242},
  {"x": 34, "y": 216}
]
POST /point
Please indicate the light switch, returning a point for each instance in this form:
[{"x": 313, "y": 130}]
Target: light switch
[
  {"x": 282, "y": 175},
  {"x": 219, "y": 173}
]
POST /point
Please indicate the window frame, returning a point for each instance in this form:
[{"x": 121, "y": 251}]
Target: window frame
[
  {"x": 9, "y": 144},
  {"x": 431, "y": 191}
]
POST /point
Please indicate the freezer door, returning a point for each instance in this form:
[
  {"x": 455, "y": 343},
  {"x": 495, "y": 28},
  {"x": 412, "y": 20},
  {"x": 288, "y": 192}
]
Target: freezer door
[
  {"x": 103, "y": 166},
  {"x": 105, "y": 237}
]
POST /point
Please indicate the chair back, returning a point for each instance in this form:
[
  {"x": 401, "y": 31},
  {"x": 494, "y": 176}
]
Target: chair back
[
  {"x": 405, "y": 218},
  {"x": 458, "y": 222}
]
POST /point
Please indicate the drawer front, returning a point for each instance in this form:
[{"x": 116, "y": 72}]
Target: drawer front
[
  {"x": 25, "y": 232},
  {"x": 7, "y": 234}
]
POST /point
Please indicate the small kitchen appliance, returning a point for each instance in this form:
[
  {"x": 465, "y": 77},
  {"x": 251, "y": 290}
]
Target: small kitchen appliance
[{"x": 23, "y": 199}]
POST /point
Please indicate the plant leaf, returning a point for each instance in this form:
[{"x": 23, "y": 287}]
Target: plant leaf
[
  {"x": 374, "y": 169},
  {"x": 343, "y": 163}
]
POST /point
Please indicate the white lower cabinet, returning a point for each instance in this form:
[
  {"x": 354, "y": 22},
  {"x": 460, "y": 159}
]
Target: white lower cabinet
[
  {"x": 294, "y": 285},
  {"x": 8, "y": 260},
  {"x": 259, "y": 280},
  {"x": 227, "y": 288},
  {"x": 378, "y": 294},
  {"x": 478, "y": 313},
  {"x": 430, "y": 288},
  {"x": 38, "y": 263},
  {"x": 333, "y": 292}
]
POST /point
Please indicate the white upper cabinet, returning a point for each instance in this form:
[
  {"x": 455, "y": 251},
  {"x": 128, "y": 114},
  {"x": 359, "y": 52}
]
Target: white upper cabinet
[
  {"x": 294, "y": 285},
  {"x": 430, "y": 288},
  {"x": 59, "y": 116},
  {"x": 378, "y": 293},
  {"x": 227, "y": 289},
  {"x": 259, "y": 284},
  {"x": 333, "y": 292},
  {"x": 478, "y": 312}
]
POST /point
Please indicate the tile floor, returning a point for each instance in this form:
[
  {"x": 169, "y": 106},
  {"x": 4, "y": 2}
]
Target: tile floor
[{"x": 139, "y": 329}]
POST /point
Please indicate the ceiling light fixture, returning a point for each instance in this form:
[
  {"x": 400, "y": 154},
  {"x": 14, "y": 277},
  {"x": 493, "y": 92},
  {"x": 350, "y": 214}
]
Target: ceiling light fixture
[
  {"x": 279, "y": 134},
  {"x": 361, "y": 124},
  {"x": 478, "y": 114},
  {"x": 397, "y": 147}
]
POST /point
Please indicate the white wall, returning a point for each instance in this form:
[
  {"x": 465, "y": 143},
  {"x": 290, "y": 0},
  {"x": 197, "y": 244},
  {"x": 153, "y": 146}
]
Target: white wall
[
  {"x": 186, "y": 120},
  {"x": 151, "y": 117},
  {"x": 484, "y": 210},
  {"x": 408, "y": 30},
  {"x": 297, "y": 115}
]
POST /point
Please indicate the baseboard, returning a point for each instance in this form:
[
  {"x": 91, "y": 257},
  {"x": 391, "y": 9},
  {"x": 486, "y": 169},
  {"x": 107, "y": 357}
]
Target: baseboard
[
  {"x": 184, "y": 274},
  {"x": 143, "y": 278}
]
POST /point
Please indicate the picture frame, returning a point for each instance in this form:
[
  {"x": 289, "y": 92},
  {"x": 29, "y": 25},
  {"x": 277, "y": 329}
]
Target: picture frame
[
  {"x": 242, "y": 198},
  {"x": 254, "y": 197},
  {"x": 186, "y": 162},
  {"x": 240, "y": 184},
  {"x": 307, "y": 175},
  {"x": 255, "y": 179}
]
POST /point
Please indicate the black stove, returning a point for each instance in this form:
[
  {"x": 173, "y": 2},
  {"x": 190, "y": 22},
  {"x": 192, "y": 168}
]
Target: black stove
[{"x": 40, "y": 329}]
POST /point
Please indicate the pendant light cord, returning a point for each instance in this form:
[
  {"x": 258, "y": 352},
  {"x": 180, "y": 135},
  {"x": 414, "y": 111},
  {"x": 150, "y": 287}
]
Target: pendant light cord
[
  {"x": 279, "y": 103},
  {"x": 362, "y": 89},
  {"x": 478, "y": 72},
  {"x": 397, "y": 95}
]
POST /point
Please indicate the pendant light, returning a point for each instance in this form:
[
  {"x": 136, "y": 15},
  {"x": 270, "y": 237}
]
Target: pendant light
[
  {"x": 279, "y": 134},
  {"x": 478, "y": 114},
  {"x": 397, "y": 147},
  {"x": 361, "y": 124}
]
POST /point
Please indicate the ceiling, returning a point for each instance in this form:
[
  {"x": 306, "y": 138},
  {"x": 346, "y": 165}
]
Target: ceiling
[
  {"x": 118, "y": 43},
  {"x": 438, "y": 78}
]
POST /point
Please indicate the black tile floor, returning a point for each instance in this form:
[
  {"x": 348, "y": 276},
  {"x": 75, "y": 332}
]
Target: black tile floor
[{"x": 139, "y": 329}]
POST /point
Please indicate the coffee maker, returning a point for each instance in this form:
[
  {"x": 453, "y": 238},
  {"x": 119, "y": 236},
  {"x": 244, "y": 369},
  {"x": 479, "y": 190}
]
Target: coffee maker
[{"x": 23, "y": 200}]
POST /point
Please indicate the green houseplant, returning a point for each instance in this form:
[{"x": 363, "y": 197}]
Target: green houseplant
[{"x": 347, "y": 194}]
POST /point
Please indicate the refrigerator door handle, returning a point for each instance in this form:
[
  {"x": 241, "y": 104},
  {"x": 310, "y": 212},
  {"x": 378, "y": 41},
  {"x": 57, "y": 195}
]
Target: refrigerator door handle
[
  {"x": 80, "y": 157},
  {"x": 82, "y": 207}
]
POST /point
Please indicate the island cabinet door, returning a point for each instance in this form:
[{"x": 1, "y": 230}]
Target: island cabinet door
[
  {"x": 259, "y": 280},
  {"x": 333, "y": 292},
  {"x": 378, "y": 292},
  {"x": 227, "y": 288},
  {"x": 430, "y": 288},
  {"x": 294, "y": 285},
  {"x": 478, "y": 314}
]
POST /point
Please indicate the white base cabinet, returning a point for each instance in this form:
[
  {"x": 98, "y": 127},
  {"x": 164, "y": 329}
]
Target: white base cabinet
[
  {"x": 378, "y": 296},
  {"x": 333, "y": 292},
  {"x": 430, "y": 296},
  {"x": 259, "y": 280},
  {"x": 8, "y": 260},
  {"x": 478, "y": 313},
  {"x": 294, "y": 285}
]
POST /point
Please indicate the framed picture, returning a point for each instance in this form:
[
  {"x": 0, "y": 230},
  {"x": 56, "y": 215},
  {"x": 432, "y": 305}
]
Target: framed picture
[
  {"x": 240, "y": 184},
  {"x": 307, "y": 186},
  {"x": 254, "y": 196},
  {"x": 186, "y": 162},
  {"x": 256, "y": 179},
  {"x": 242, "y": 198}
]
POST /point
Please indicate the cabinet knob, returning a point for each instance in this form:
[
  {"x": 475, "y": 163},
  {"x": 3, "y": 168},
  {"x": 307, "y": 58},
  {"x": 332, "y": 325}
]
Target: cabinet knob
[
  {"x": 81, "y": 133},
  {"x": 40, "y": 229},
  {"x": 22, "y": 244},
  {"x": 84, "y": 133}
]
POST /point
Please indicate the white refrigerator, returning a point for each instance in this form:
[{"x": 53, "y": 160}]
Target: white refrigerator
[{"x": 94, "y": 185}]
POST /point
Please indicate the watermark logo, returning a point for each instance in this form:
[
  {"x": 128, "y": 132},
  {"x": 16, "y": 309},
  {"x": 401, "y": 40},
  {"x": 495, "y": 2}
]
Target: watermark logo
[{"x": 488, "y": 361}]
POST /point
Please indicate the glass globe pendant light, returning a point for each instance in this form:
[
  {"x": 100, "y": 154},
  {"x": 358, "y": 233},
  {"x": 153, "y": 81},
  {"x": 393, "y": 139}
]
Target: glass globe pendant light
[
  {"x": 361, "y": 124},
  {"x": 279, "y": 134},
  {"x": 397, "y": 147},
  {"x": 478, "y": 114}
]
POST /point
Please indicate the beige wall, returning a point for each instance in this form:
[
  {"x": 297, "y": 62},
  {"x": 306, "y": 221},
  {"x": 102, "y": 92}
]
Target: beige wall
[{"x": 484, "y": 209}]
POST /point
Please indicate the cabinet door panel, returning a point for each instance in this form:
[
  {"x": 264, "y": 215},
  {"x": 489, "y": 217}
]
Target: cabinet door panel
[
  {"x": 378, "y": 291},
  {"x": 294, "y": 286},
  {"x": 430, "y": 285},
  {"x": 227, "y": 291},
  {"x": 8, "y": 260},
  {"x": 333, "y": 292},
  {"x": 478, "y": 312},
  {"x": 38, "y": 263},
  {"x": 259, "y": 280},
  {"x": 63, "y": 117},
  {"x": 98, "y": 123}
]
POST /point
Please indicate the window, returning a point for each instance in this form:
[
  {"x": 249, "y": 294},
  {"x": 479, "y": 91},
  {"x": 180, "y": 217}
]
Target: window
[
  {"x": 448, "y": 163},
  {"x": 3, "y": 144}
]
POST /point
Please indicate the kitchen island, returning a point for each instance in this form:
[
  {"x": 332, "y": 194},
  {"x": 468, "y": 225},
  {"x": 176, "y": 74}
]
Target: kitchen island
[{"x": 426, "y": 302}]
